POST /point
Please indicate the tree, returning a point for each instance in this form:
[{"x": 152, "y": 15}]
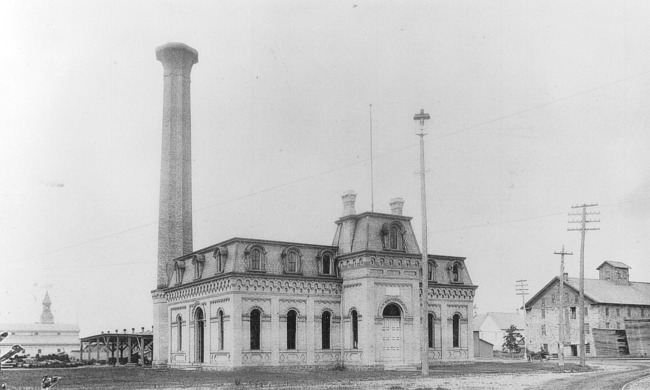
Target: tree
[{"x": 511, "y": 340}]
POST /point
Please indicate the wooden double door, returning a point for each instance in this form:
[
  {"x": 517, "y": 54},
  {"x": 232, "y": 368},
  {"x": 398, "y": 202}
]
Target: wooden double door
[{"x": 392, "y": 340}]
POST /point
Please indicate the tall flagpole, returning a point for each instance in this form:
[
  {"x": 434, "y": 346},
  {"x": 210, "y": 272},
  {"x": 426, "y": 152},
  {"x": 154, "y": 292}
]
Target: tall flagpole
[
  {"x": 424, "y": 304},
  {"x": 372, "y": 184}
]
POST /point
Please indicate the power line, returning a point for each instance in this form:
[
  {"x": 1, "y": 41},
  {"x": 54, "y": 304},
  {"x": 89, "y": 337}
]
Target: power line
[
  {"x": 434, "y": 231},
  {"x": 304, "y": 178}
]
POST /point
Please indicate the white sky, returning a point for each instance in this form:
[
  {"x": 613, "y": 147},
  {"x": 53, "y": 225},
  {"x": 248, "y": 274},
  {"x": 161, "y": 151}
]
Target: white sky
[{"x": 536, "y": 106}]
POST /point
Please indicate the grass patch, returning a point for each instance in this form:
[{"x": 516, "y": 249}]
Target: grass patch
[{"x": 103, "y": 377}]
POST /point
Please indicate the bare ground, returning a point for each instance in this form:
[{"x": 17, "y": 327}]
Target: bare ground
[{"x": 481, "y": 375}]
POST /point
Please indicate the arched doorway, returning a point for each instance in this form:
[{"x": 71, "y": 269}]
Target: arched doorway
[
  {"x": 199, "y": 335},
  {"x": 392, "y": 333}
]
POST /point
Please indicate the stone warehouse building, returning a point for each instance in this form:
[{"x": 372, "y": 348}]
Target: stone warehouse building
[
  {"x": 248, "y": 302},
  {"x": 610, "y": 301}
]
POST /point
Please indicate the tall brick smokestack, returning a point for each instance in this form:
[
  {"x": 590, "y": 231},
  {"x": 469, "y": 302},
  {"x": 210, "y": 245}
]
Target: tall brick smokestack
[{"x": 175, "y": 217}]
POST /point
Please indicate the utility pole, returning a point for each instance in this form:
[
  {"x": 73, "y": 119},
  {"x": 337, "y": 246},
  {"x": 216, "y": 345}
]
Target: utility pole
[
  {"x": 522, "y": 289},
  {"x": 560, "y": 350},
  {"x": 424, "y": 331},
  {"x": 372, "y": 183},
  {"x": 583, "y": 229}
]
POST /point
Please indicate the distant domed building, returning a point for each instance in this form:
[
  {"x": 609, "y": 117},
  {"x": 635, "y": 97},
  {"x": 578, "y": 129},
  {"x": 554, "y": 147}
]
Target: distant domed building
[{"x": 44, "y": 337}]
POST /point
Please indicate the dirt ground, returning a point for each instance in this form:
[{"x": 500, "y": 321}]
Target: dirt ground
[{"x": 481, "y": 375}]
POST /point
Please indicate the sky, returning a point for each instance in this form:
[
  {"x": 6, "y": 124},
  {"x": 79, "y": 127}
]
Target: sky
[{"x": 535, "y": 107}]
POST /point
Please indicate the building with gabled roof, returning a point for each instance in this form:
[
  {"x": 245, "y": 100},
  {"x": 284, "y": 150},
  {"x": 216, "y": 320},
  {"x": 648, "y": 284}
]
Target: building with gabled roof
[
  {"x": 42, "y": 338},
  {"x": 492, "y": 327},
  {"x": 610, "y": 300}
]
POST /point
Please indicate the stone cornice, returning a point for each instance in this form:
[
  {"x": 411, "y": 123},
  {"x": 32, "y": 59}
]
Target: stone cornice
[
  {"x": 451, "y": 292},
  {"x": 401, "y": 261},
  {"x": 253, "y": 283},
  {"x": 265, "y": 275}
]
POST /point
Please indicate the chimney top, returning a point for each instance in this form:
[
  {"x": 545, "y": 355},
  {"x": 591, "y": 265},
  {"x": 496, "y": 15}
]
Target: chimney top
[
  {"x": 396, "y": 206},
  {"x": 349, "y": 197}
]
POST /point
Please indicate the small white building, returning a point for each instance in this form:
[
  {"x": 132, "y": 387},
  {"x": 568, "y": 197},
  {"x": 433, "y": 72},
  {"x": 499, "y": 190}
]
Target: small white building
[
  {"x": 492, "y": 327},
  {"x": 44, "y": 337}
]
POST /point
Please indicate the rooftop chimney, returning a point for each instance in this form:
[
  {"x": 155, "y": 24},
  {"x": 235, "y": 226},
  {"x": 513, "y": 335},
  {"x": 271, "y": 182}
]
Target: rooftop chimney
[
  {"x": 566, "y": 276},
  {"x": 396, "y": 205},
  {"x": 349, "y": 197}
]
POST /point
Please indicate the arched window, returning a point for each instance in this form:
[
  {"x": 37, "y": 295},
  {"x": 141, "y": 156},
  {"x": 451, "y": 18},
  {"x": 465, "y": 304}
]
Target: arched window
[
  {"x": 325, "y": 329},
  {"x": 198, "y": 262},
  {"x": 327, "y": 264},
  {"x": 430, "y": 330},
  {"x": 455, "y": 272},
  {"x": 355, "y": 330},
  {"x": 256, "y": 259},
  {"x": 292, "y": 262},
  {"x": 180, "y": 270},
  {"x": 456, "y": 330},
  {"x": 179, "y": 338},
  {"x": 199, "y": 335},
  {"x": 220, "y": 255},
  {"x": 255, "y": 329},
  {"x": 291, "y": 329},
  {"x": 392, "y": 310},
  {"x": 220, "y": 330},
  {"x": 219, "y": 263},
  {"x": 393, "y": 237}
]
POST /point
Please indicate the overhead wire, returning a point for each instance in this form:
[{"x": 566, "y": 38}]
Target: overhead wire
[{"x": 390, "y": 152}]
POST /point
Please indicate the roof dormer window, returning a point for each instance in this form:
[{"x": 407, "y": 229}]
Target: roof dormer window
[
  {"x": 179, "y": 270},
  {"x": 198, "y": 262},
  {"x": 325, "y": 263},
  {"x": 393, "y": 236},
  {"x": 292, "y": 260},
  {"x": 455, "y": 271},
  {"x": 255, "y": 258}
]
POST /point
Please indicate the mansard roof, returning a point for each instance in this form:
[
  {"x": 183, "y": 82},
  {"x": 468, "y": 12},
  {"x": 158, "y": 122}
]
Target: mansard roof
[
  {"x": 233, "y": 240},
  {"x": 367, "y": 232}
]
